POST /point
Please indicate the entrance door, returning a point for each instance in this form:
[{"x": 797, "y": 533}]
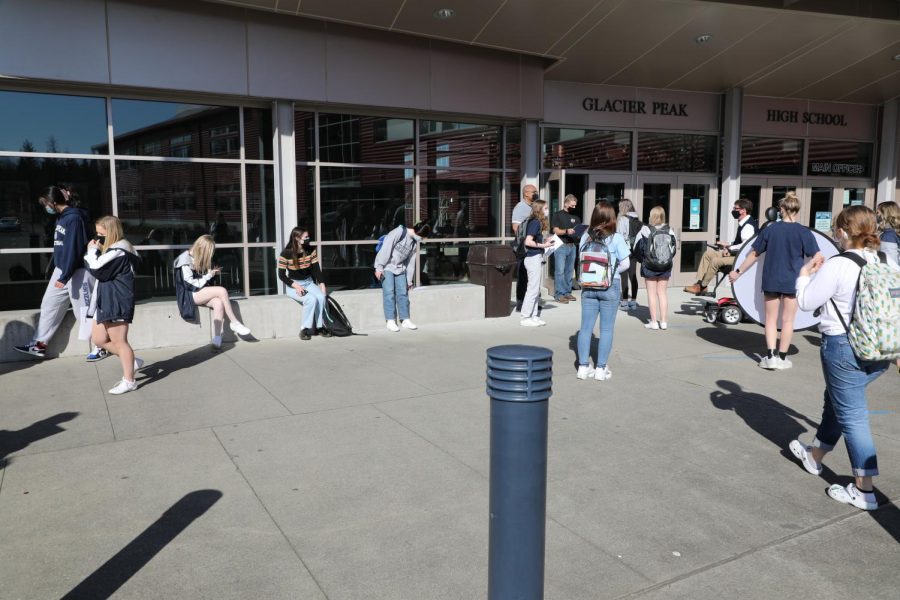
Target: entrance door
[{"x": 605, "y": 186}]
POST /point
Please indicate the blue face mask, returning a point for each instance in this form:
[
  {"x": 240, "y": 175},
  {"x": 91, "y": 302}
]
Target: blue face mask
[{"x": 50, "y": 210}]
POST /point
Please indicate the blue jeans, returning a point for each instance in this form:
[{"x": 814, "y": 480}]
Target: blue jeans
[
  {"x": 845, "y": 411},
  {"x": 605, "y": 304},
  {"x": 313, "y": 302},
  {"x": 394, "y": 289},
  {"x": 564, "y": 266}
]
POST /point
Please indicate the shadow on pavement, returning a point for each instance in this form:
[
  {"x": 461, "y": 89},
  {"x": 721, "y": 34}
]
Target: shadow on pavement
[
  {"x": 573, "y": 346},
  {"x": 153, "y": 372},
  {"x": 113, "y": 574},
  {"x": 751, "y": 343},
  {"x": 13, "y": 441}
]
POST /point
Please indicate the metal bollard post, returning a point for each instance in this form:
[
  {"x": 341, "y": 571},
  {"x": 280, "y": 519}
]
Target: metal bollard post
[{"x": 519, "y": 381}]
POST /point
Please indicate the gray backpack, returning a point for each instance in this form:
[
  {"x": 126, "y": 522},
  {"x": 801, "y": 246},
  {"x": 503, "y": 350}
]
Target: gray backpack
[{"x": 659, "y": 249}]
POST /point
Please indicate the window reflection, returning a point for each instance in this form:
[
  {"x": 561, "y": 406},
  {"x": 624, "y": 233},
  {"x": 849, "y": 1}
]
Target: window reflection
[
  {"x": 52, "y": 123},
  {"x": 513, "y": 187},
  {"x": 306, "y": 197},
  {"x": 349, "y": 266},
  {"x": 676, "y": 152},
  {"x": 444, "y": 262},
  {"x": 586, "y": 149},
  {"x": 23, "y": 279},
  {"x": 771, "y": 156},
  {"x": 373, "y": 140},
  {"x": 24, "y": 223},
  {"x": 258, "y": 134},
  {"x": 460, "y": 204},
  {"x": 180, "y": 201},
  {"x": 839, "y": 158},
  {"x": 459, "y": 145},
  {"x": 363, "y": 204},
  {"x": 145, "y": 128},
  {"x": 304, "y": 135},
  {"x": 260, "y": 203}
]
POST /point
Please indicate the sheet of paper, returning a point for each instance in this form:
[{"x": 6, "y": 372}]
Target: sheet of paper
[{"x": 556, "y": 244}]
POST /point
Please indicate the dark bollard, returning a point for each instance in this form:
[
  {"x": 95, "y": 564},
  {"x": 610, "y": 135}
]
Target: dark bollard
[{"x": 519, "y": 381}]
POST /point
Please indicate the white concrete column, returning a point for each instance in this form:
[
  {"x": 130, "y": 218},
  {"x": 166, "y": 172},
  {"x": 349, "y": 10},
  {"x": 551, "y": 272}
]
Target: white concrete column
[
  {"x": 531, "y": 154},
  {"x": 285, "y": 172},
  {"x": 887, "y": 162},
  {"x": 731, "y": 161}
]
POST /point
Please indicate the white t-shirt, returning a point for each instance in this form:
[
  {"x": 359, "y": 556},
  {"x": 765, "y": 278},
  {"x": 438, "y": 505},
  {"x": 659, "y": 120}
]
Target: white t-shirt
[{"x": 836, "y": 280}]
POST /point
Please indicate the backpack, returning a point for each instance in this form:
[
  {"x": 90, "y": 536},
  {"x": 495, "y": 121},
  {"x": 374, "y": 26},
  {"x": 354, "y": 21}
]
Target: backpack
[
  {"x": 634, "y": 228},
  {"x": 595, "y": 265},
  {"x": 381, "y": 239},
  {"x": 874, "y": 328},
  {"x": 659, "y": 249},
  {"x": 334, "y": 318},
  {"x": 518, "y": 245}
]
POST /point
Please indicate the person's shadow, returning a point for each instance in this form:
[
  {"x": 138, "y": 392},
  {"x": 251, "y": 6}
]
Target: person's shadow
[
  {"x": 751, "y": 343},
  {"x": 592, "y": 349},
  {"x": 13, "y": 441},
  {"x": 157, "y": 371},
  {"x": 780, "y": 425}
]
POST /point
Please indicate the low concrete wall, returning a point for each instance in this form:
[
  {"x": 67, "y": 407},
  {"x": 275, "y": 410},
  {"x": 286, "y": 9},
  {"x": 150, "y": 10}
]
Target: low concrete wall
[{"x": 158, "y": 324}]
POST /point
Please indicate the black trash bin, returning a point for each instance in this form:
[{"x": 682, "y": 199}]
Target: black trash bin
[{"x": 493, "y": 266}]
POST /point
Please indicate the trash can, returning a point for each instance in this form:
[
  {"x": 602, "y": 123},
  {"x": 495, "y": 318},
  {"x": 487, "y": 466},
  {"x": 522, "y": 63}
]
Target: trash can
[{"x": 493, "y": 266}]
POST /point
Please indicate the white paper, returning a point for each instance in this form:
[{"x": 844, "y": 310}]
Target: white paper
[{"x": 557, "y": 242}]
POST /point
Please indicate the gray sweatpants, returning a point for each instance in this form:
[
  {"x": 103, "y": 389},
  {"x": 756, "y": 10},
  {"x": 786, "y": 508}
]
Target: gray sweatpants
[{"x": 56, "y": 301}]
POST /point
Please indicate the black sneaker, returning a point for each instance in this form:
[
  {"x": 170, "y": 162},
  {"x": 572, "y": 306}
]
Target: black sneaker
[
  {"x": 36, "y": 349},
  {"x": 324, "y": 332},
  {"x": 304, "y": 334}
]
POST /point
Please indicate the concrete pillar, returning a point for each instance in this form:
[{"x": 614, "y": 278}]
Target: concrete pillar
[
  {"x": 285, "y": 172},
  {"x": 887, "y": 162},
  {"x": 531, "y": 154},
  {"x": 731, "y": 161}
]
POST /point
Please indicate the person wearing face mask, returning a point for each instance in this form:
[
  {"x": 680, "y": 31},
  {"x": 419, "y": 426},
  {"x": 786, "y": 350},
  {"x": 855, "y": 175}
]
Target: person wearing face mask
[
  {"x": 520, "y": 213},
  {"x": 70, "y": 283},
  {"x": 831, "y": 285},
  {"x": 716, "y": 259},
  {"x": 392, "y": 268},
  {"x": 785, "y": 244},
  {"x": 194, "y": 271},
  {"x": 888, "y": 215},
  {"x": 564, "y": 223},
  {"x": 299, "y": 270}
]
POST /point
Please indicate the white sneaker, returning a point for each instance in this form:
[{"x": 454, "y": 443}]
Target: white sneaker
[
  {"x": 392, "y": 325},
  {"x": 768, "y": 363},
  {"x": 584, "y": 371},
  {"x": 804, "y": 455},
  {"x": 239, "y": 328},
  {"x": 407, "y": 324},
  {"x": 602, "y": 374},
  {"x": 780, "y": 363},
  {"x": 138, "y": 363},
  {"x": 539, "y": 321},
  {"x": 124, "y": 386},
  {"x": 217, "y": 342},
  {"x": 652, "y": 325},
  {"x": 663, "y": 325},
  {"x": 852, "y": 495},
  {"x": 529, "y": 322}
]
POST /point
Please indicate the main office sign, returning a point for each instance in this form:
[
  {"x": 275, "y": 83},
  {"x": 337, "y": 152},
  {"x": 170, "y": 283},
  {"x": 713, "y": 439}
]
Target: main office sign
[{"x": 591, "y": 105}]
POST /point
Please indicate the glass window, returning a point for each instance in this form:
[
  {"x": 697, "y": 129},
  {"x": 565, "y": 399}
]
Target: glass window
[
  {"x": 451, "y": 145},
  {"x": 676, "y": 152},
  {"x": 25, "y": 224},
  {"x": 146, "y": 128},
  {"x": 854, "y": 196},
  {"x": 349, "y": 266},
  {"x": 820, "y": 214},
  {"x": 23, "y": 279},
  {"x": 691, "y": 252},
  {"x": 260, "y": 203},
  {"x": 373, "y": 140},
  {"x": 52, "y": 123},
  {"x": 695, "y": 207},
  {"x": 656, "y": 194},
  {"x": 830, "y": 157},
  {"x": 180, "y": 201},
  {"x": 263, "y": 278},
  {"x": 304, "y": 135},
  {"x": 513, "y": 148},
  {"x": 586, "y": 149},
  {"x": 444, "y": 262},
  {"x": 363, "y": 203},
  {"x": 306, "y": 197},
  {"x": 513, "y": 187},
  {"x": 258, "y": 134},
  {"x": 460, "y": 204},
  {"x": 771, "y": 156}
]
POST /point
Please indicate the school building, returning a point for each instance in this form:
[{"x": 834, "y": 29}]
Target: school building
[{"x": 243, "y": 118}]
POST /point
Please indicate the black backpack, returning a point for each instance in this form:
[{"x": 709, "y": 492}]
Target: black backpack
[
  {"x": 634, "y": 228},
  {"x": 519, "y": 244},
  {"x": 336, "y": 322}
]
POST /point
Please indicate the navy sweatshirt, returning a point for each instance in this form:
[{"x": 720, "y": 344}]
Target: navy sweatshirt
[{"x": 69, "y": 241}]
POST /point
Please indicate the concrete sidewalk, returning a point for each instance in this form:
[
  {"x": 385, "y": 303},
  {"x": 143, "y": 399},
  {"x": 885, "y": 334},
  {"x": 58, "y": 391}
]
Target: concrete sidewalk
[{"x": 358, "y": 468}]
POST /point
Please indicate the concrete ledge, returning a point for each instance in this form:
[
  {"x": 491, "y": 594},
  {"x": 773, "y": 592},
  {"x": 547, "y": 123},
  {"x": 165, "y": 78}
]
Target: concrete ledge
[{"x": 158, "y": 324}]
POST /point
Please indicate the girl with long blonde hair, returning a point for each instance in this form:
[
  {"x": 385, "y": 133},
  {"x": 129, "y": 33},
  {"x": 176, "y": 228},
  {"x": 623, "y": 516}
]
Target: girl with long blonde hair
[
  {"x": 535, "y": 226},
  {"x": 195, "y": 270},
  {"x": 656, "y": 282},
  {"x": 888, "y": 217}
]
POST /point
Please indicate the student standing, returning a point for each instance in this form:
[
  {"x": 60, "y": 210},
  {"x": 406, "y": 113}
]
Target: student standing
[
  {"x": 195, "y": 272},
  {"x": 535, "y": 227},
  {"x": 628, "y": 225},
  {"x": 520, "y": 213},
  {"x": 112, "y": 261},
  {"x": 392, "y": 269},
  {"x": 299, "y": 270},
  {"x": 832, "y": 286},
  {"x": 564, "y": 223},
  {"x": 657, "y": 281},
  {"x": 69, "y": 283},
  {"x": 785, "y": 243},
  {"x": 888, "y": 215},
  {"x": 602, "y": 303}
]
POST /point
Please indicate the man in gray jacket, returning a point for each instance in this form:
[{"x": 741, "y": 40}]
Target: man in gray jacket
[{"x": 398, "y": 250}]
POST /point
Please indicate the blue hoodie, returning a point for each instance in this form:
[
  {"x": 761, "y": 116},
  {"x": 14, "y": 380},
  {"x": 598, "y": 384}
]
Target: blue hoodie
[{"x": 70, "y": 241}]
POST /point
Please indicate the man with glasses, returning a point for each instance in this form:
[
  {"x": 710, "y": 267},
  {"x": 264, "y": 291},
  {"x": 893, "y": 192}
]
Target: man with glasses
[{"x": 716, "y": 259}]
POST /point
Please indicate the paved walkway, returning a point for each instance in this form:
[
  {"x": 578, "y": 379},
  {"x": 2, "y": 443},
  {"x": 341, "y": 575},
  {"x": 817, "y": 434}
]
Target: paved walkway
[{"x": 358, "y": 468}]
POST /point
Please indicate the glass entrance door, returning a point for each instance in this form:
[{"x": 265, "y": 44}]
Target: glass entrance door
[{"x": 604, "y": 186}]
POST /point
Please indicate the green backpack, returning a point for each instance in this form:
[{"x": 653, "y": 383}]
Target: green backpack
[{"x": 874, "y": 329}]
